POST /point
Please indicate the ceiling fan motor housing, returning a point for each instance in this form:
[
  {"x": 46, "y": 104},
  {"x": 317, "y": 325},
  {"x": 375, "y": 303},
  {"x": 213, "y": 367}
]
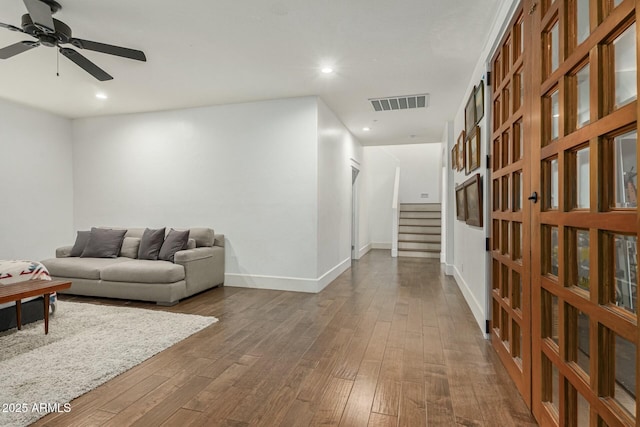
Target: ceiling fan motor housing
[{"x": 62, "y": 32}]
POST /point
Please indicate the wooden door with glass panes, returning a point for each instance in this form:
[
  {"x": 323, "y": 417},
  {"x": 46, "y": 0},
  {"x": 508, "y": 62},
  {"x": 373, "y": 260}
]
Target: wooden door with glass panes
[
  {"x": 510, "y": 255},
  {"x": 584, "y": 228}
]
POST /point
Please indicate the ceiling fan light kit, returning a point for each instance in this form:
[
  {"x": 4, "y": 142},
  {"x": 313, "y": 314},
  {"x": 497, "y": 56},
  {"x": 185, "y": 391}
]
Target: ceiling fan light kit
[{"x": 48, "y": 31}]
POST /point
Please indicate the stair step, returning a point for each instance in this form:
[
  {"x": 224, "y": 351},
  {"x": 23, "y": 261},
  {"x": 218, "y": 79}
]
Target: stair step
[
  {"x": 415, "y": 207},
  {"x": 419, "y": 246},
  {"x": 417, "y": 214},
  {"x": 418, "y": 254},
  {"x": 412, "y": 237},
  {"x": 420, "y": 221},
  {"x": 420, "y": 229}
]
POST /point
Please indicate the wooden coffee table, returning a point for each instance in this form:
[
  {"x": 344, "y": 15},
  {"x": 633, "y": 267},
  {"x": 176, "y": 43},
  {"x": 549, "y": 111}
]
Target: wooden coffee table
[{"x": 31, "y": 288}]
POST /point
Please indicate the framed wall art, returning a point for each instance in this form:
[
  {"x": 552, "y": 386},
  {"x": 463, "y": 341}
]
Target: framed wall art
[
  {"x": 454, "y": 157},
  {"x": 461, "y": 204},
  {"x": 461, "y": 151},
  {"x": 473, "y": 200},
  {"x": 479, "y": 101},
  {"x": 473, "y": 151},
  {"x": 470, "y": 112}
]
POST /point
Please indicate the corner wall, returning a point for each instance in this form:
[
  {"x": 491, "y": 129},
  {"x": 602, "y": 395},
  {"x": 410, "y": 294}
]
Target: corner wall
[
  {"x": 247, "y": 170},
  {"x": 36, "y": 183},
  {"x": 337, "y": 149}
]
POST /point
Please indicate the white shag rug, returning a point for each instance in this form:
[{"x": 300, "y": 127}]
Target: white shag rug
[{"x": 87, "y": 345}]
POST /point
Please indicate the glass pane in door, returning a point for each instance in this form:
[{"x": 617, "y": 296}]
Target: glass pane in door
[
  {"x": 582, "y": 179},
  {"x": 583, "y": 99},
  {"x": 625, "y": 67},
  {"x": 626, "y": 175},
  {"x": 626, "y": 272},
  {"x": 625, "y": 381},
  {"x": 583, "y": 30}
]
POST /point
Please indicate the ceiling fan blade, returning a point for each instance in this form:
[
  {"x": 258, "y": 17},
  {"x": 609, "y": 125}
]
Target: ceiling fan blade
[
  {"x": 109, "y": 49},
  {"x": 11, "y": 27},
  {"x": 85, "y": 64},
  {"x": 15, "y": 49},
  {"x": 40, "y": 15}
]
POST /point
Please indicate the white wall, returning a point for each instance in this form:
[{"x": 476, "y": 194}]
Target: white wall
[
  {"x": 420, "y": 167},
  {"x": 420, "y": 173},
  {"x": 448, "y": 201},
  {"x": 379, "y": 174},
  {"x": 36, "y": 185},
  {"x": 363, "y": 194},
  {"x": 470, "y": 260},
  {"x": 336, "y": 149},
  {"x": 247, "y": 170}
]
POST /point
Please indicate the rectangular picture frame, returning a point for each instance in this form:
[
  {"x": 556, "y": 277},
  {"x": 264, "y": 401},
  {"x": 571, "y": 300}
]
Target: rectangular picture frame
[
  {"x": 479, "y": 102},
  {"x": 470, "y": 112},
  {"x": 461, "y": 151},
  {"x": 461, "y": 204},
  {"x": 473, "y": 151},
  {"x": 473, "y": 200},
  {"x": 454, "y": 157}
]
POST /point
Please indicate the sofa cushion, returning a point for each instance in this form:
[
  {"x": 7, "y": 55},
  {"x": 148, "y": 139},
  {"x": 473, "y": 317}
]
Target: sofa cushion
[
  {"x": 81, "y": 268},
  {"x": 175, "y": 241},
  {"x": 135, "y": 232},
  {"x": 103, "y": 243},
  {"x": 81, "y": 242},
  {"x": 191, "y": 244},
  {"x": 143, "y": 271},
  {"x": 151, "y": 243},
  {"x": 130, "y": 247},
  {"x": 202, "y": 236}
]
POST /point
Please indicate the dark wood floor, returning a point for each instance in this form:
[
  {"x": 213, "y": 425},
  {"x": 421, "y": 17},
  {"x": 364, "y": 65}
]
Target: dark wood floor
[{"x": 390, "y": 342}]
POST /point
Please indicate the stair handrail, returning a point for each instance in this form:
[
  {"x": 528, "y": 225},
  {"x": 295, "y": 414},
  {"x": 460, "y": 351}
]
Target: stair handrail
[{"x": 395, "y": 208}]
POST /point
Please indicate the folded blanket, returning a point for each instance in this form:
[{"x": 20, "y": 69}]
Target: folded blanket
[{"x": 12, "y": 271}]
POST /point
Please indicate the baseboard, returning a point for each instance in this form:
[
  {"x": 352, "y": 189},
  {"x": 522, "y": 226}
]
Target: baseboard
[
  {"x": 281, "y": 283},
  {"x": 364, "y": 250},
  {"x": 276, "y": 283},
  {"x": 333, "y": 274},
  {"x": 472, "y": 302},
  {"x": 449, "y": 269},
  {"x": 381, "y": 246}
]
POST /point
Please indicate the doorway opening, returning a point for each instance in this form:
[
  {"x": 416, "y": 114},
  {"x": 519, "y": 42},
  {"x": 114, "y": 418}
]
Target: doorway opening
[{"x": 354, "y": 213}]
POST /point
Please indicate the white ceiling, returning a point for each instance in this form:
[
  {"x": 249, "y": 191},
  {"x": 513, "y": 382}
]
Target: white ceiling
[{"x": 204, "y": 52}]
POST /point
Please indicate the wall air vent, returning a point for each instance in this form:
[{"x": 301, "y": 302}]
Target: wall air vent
[{"x": 405, "y": 102}]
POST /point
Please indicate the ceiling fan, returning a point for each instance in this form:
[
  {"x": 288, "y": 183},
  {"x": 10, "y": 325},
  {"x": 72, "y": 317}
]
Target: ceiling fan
[{"x": 40, "y": 24}]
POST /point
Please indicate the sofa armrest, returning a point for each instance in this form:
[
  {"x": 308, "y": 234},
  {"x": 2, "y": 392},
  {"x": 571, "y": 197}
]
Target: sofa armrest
[
  {"x": 63, "y": 252},
  {"x": 203, "y": 267},
  {"x": 188, "y": 255}
]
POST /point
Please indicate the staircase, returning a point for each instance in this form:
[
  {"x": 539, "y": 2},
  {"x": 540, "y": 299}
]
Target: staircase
[{"x": 419, "y": 230}]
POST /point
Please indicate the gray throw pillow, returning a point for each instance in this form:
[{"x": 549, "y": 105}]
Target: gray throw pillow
[
  {"x": 103, "y": 243},
  {"x": 175, "y": 241},
  {"x": 151, "y": 243},
  {"x": 81, "y": 241},
  {"x": 130, "y": 247}
]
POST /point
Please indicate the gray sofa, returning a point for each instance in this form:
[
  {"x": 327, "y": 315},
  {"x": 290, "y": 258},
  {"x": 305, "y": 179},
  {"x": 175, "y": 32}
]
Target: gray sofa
[{"x": 124, "y": 277}]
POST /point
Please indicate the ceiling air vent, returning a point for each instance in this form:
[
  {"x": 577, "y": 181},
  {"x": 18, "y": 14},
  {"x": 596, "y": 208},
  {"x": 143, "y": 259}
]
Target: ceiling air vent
[{"x": 400, "y": 102}]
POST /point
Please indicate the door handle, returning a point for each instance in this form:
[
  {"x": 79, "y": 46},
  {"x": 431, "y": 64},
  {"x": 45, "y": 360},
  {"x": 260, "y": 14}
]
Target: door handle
[{"x": 534, "y": 197}]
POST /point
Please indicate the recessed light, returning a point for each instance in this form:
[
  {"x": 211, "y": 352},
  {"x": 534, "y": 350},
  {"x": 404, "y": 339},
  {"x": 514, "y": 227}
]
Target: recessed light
[
  {"x": 327, "y": 70},
  {"x": 366, "y": 129},
  {"x": 101, "y": 95}
]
